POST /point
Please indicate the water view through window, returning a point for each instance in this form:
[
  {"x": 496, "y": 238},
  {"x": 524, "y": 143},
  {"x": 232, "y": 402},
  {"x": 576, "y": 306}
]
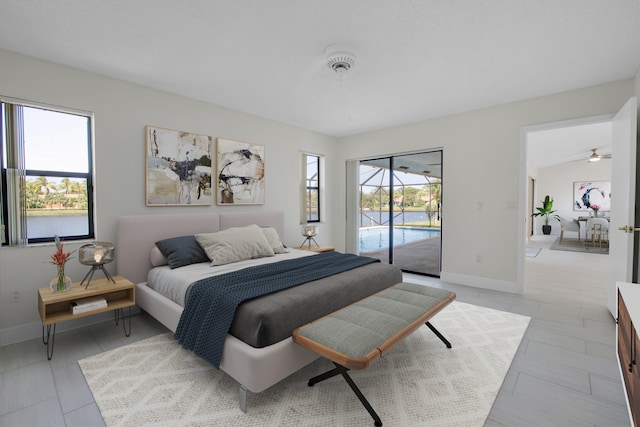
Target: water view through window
[
  {"x": 56, "y": 205},
  {"x": 49, "y": 159}
]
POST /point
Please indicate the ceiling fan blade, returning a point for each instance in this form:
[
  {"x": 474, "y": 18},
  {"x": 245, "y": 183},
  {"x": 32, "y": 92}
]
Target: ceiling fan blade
[{"x": 594, "y": 157}]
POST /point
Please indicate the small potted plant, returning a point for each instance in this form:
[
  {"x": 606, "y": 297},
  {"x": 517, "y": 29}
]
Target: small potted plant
[
  {"x": 546, "y": 211},
  {"x": 59, "y": 258}
]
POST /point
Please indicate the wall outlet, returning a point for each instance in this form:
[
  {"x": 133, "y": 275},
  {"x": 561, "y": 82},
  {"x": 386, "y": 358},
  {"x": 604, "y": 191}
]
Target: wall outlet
[
  {"x": 479, "y": 258},
  {"x": 16, "y": 295}
]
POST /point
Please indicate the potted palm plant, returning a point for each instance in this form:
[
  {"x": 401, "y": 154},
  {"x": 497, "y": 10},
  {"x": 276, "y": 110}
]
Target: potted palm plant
[{"x": 546, "y": 211}]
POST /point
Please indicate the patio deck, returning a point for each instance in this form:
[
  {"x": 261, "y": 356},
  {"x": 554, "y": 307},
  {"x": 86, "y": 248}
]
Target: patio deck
[{"x": 421, "y": 256}]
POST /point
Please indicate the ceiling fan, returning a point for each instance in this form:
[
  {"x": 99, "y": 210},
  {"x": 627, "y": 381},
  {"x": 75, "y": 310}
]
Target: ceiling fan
[{"x": 594, "y": 157}]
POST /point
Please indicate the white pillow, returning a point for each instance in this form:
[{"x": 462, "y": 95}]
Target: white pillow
[
  {"x": 157, "y": 259},
  {"x": 235, "y": 244},
  {"x": 272, "y": 237}
]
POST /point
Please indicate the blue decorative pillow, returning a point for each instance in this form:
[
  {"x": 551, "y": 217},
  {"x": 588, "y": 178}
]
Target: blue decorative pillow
[{"x": 181, "y": 251}]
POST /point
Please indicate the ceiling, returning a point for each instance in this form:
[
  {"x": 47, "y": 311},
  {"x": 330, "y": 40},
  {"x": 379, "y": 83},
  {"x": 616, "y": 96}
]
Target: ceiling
[
  {"x": 552, "y": 147},
  {"x": 415, "y": 59}
]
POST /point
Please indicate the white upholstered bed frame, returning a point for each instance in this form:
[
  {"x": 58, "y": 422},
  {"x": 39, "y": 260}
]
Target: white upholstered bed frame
[{"x": 255, "y": 369}]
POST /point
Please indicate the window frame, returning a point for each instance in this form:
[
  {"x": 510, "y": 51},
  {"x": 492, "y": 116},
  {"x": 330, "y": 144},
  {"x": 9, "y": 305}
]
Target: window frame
[
  {"x": 5, "y": 238},
  {"x": 308, "y": 189}
]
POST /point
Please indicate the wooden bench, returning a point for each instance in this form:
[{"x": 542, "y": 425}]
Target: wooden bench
[{"x": 358, "y": 335}]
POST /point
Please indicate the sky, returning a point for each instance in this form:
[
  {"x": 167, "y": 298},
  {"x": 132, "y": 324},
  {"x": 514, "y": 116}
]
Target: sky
[{"x": 55, "y": 141}]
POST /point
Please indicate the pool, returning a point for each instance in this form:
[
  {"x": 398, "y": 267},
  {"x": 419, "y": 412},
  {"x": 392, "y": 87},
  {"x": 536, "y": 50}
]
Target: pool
[{"x": 376, "y": 238}]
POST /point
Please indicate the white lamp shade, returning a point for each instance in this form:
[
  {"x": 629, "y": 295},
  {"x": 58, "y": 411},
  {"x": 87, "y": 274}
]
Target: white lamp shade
[
  {"x": 309, "y": 230},
  {"x": 97, "y": 253}
]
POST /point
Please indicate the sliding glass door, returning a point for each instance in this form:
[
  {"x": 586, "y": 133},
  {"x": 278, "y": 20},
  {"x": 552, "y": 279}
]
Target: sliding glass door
[{"x": 400, "y": 211}]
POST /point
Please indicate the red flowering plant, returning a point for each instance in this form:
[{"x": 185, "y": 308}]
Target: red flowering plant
[
  {"x": 595, "y": 208},
  {"x": 59, "y": 259}
]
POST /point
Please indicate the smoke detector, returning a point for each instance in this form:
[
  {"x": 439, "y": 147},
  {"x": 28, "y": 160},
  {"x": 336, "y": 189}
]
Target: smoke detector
[{"x": 340, "y": 58}]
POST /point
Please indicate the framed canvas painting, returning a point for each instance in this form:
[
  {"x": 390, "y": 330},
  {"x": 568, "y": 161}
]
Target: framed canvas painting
[
  {"x": 179, "y": 168},
  {"x": 587, "y": 193},
  {"x": 240, "y": 173}
]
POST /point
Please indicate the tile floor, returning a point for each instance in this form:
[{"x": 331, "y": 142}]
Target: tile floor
[
  {"x": 564, "y": 374},
  {"x": 566, "y": 371}
]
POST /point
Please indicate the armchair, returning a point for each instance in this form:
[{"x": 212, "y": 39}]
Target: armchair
[{"x": 569, "y": 224}]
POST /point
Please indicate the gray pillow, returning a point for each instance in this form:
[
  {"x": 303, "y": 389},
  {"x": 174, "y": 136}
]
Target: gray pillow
[
  {"x": 235, "y": 244},
  {"x": 181, "y": 251}
]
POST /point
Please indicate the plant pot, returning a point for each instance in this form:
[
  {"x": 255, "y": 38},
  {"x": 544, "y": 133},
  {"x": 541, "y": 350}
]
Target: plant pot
[{"x": 546, "y": 229}]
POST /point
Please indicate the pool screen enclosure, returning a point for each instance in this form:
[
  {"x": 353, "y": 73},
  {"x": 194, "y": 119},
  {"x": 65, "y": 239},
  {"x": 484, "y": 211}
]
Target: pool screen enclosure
[{"x": 400, "y": 213}]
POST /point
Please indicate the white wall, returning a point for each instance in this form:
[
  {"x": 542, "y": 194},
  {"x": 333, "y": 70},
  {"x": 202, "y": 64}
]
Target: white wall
[
  {"x": 558, "y": 181},
  {"x": 483, "y": 163},
  {"x": 121, "y": 112}
]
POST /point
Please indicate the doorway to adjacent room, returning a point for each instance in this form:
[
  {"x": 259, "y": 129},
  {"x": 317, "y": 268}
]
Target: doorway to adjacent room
[{"x": 622, "y": 134}]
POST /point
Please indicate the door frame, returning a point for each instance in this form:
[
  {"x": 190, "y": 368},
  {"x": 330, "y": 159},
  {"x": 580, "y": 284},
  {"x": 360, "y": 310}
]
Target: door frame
[
  {"x": 531, "y": 191},
  {"x": 523, "y": 182}
]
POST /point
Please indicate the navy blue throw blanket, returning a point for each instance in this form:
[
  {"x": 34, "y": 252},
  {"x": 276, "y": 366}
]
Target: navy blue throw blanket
[{"x": 212, "y": 302}]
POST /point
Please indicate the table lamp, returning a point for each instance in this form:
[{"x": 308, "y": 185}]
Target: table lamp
[
  {"x": 96, "y": 255},
  {"x": 309, "y": 231}
]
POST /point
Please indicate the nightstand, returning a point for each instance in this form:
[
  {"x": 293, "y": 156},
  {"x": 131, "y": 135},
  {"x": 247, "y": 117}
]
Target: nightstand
[
  {"x": 316, "y": 248},
  {"x": 56, "y": 307}
]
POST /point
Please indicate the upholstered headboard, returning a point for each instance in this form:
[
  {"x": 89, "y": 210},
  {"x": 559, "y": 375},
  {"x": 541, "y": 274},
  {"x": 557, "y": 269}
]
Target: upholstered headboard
[{"x": 137, "y": 234}]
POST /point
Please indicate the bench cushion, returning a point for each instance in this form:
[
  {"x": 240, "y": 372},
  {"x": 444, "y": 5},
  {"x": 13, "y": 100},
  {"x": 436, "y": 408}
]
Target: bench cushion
[{"x": 359, "y": 334}]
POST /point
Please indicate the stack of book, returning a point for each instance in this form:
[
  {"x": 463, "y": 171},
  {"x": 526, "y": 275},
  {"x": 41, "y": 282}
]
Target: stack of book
[{"x": 88, "y": 304}]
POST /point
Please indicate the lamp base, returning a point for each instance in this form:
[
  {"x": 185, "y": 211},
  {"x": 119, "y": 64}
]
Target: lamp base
[
  {"x": 90, "y": 274},
  {"x": 308, "y": 241}
]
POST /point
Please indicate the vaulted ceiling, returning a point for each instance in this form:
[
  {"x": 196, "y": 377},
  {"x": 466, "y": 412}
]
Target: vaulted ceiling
[{"x": 414, "y": 59}]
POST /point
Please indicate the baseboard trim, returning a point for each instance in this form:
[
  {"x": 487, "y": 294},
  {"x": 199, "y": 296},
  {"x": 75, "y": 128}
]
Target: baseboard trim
[
  {"x": 481, "y": 282},
  {"x": 33, "y": 330}
]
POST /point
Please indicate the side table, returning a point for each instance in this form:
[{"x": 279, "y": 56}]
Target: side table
[
  {"x": 316, "y": 248},
  {"x": 56, "y": 307}
]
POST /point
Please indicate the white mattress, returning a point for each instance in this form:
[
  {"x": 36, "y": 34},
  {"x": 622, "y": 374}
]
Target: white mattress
[{"x": 173, "y": 284}]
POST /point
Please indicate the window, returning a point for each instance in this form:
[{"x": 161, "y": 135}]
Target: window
[
  {"x": 46, "y": 177},
  {"x": 312, "y": 188}
]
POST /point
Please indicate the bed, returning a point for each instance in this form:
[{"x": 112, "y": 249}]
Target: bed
[{"x": 254, "y": 367}]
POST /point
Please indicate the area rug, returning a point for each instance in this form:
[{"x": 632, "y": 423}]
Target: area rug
[
  {"x": 419, "y": 382},
  {"x": 532, "y": 252},
  {"x": 572, "y": 245}
]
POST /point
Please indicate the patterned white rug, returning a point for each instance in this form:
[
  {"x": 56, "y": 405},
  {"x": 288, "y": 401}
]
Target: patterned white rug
[
  {"x": 420, "y": 382},
  {"x": 570, "y": 244}
]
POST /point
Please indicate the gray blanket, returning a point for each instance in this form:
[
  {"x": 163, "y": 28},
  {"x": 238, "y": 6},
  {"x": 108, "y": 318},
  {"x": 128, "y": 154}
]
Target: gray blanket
[{"x": 212, "y": 302}]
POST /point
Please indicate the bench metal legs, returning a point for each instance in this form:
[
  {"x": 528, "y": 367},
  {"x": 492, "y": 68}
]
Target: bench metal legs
[
  {"x": 341, "y": 370},
  {"x": 438, "y": 334}
]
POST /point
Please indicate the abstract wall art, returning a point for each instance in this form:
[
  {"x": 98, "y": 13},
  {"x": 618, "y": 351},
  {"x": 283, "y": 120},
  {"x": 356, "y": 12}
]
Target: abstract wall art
[
  {"x": 179, "y": 168},
  {"x": 240, "y": 173},
  {"x": 587, "y": 193}
]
